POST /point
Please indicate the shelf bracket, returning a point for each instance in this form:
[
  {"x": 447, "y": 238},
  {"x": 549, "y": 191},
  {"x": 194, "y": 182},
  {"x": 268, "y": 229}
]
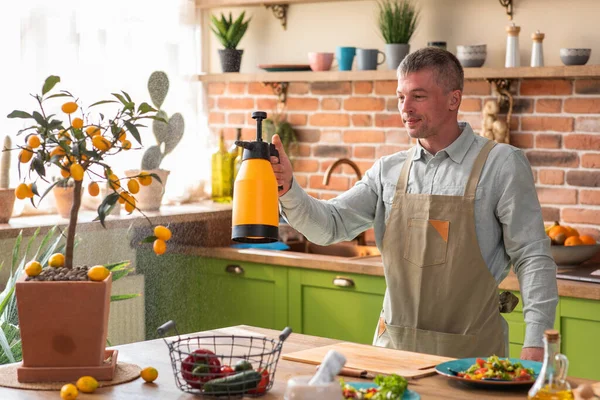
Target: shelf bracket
[
  {"x": 279, "y": 90},
  {"x": 280, "y": 12},
  {"x": 508, "y": 4}
]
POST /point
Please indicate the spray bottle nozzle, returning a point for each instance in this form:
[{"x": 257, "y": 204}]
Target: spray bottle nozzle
[{"x": 259, "y": 116}]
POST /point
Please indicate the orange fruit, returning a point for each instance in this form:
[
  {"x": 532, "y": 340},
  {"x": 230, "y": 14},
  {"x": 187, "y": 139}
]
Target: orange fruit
[
  {"x": 98, "y": 273},
  {"x": 64, "y": 173},
  {"x": 558, "y": 234},
  {"x": 34, "y": 141},
  {"x": 114, "y": 181},
  {"x": 57, "y": 151},
  {"x": 77, "y": 123},
  {"x": 122, "y": 136},
  {"x": 69, "y": 392},
  {"x": 587, "y": 239},
  {"x": 133, "y": 186},
  {"x": 77, "y": 172},
  {"x": 92, "y": 131},
  {"x": 25, "y": 154},
  {"x": 162, "y": 232},
  {"x": 149, "y": 374},
  {"x": 572, "y": 231},
  {"x": 126, "y": 144},
  {"x": 33, "y": 268},
  {"x": 145, "y": 179},
  {"x": 573, "y": 241},
  {"x": 22, "y": 191},
  {"x": 101, "y": 143},
  {"x": 159, "y": 247},
  {"x": 87, "y": 384},
  {"x": 56, "y": 260},
  {"x": 30, "y": 190},
  {"x": 94, "y": 189},
  {"x": 129, "y": 204},
  {"x": 70, "y": 107}
]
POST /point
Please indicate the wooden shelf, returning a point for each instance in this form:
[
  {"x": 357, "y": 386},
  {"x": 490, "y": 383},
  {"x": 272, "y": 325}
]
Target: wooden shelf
[
  {"x": 240, "y": 3},
  {"x": 470, "y": 73}
]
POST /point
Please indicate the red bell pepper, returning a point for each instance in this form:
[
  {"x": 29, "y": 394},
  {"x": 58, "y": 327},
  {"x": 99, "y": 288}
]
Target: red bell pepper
[{"x": 204, "y": 360}]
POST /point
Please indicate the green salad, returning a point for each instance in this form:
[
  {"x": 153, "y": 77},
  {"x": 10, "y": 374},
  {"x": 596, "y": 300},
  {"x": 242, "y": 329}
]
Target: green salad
[{"x": 390, "y": 387}]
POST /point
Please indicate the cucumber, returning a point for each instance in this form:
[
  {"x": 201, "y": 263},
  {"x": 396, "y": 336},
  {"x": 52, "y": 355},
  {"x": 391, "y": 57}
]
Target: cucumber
[{"x": 240, "y": 382}]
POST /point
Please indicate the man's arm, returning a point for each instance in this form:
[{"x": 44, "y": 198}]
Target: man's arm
[{"x": 528, "y": 247}]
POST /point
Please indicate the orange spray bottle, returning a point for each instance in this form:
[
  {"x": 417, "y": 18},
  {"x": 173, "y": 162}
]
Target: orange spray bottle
[{"x": 255, "y": 216}]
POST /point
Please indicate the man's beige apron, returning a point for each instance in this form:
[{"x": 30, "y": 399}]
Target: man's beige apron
[{"x": 441, "y": 298}]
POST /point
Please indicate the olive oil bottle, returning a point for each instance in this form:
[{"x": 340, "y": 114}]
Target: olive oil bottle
[
  {"x": 236, "y": 153},
  {"x": 551, "y": 383},
  {"x": 222, "y": 174}
]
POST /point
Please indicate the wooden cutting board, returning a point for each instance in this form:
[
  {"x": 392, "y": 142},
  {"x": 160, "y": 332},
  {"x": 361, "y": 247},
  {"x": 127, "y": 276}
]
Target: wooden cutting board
[{"x": 378, "y": 360}]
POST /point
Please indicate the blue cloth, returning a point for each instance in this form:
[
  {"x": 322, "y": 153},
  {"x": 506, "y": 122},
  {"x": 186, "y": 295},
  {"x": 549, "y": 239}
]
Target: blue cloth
[{"x": 266, "y": 246}]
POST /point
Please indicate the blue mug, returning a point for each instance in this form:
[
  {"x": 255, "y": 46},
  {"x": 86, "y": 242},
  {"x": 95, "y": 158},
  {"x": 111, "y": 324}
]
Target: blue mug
[{"x": 345, "y": 57}]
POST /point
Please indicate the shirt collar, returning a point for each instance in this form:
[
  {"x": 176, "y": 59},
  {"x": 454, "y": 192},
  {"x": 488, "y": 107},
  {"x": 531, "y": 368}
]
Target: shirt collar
[{"x": 457, "y": 149}]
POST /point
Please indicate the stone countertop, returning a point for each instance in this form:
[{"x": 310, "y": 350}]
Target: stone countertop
[
  {"x": 194, "y": 212},
  {"x": 364, "y": 265}
]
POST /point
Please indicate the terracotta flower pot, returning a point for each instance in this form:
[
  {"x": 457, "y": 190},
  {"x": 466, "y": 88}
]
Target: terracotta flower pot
[
  {"x": 64, "y": 200},
  {"x": 7, "y": 202},
  {"x": 63, "y": 325},
  {"x": 150, "y": 197}
]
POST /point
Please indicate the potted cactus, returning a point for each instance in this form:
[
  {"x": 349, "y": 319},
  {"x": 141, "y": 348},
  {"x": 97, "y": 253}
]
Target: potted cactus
[
  {"x": 7, "y": 195},
  {"x": 168, "y": 132},
  {"x": 229, "y": 33},
  {"x": 63, "y": 309}
]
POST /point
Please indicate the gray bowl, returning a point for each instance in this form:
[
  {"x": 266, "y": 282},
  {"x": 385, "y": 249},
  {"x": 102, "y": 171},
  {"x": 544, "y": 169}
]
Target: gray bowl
[
  {"x": 573, "y": 255},
  {"x": 472, "y": 56},
  {"x": 573, "y": 56},
  {"x": 471, "y": 63}
]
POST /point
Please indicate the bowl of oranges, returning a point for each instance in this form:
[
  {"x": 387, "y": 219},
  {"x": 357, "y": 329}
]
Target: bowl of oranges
[{"x": 569, "y": 247}]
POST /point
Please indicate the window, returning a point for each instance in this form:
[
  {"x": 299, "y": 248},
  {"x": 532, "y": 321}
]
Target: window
[{"x": 100, "y": 47}]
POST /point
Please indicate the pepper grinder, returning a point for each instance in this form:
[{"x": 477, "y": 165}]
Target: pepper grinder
[
  {"x": 537, "y": 53},
  {"x": 512, "y": 46}
]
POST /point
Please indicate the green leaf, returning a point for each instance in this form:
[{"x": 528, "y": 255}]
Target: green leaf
[
  {"x": 149, "y": 239},
  {"x": 145, "y": 107},
  {"x": 37, "y": 164},
  {"x": 102, "y": 102},
  {"x": 153, "y": 175},
  {"x": 131, "y": 128},
  {"x": 118, "y": 266},
  {"x": 39, "y": 119},
  {"x": 121, "y": 98},
  {"x": 49, "y": 83},
  {"x": 120, "y": 297},
  {"x": 58, "y": 95},
  {"x": 126, "y": 96},
  {"x": 106, "y": 207},
  {"x": 19, "y": 114},
  {"x": 55, "y": 124},
  {"x": 50, "y": 188}
]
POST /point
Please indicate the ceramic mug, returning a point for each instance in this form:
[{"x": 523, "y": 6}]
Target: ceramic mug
[
  {"x": 367, "y": 59},
  {"x": 345, "y": 57},
  {"x": 320, "y": 61}
]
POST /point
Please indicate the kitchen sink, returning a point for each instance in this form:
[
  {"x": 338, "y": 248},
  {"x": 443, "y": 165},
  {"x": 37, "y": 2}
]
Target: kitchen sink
[{"x": 342, "y": 249}]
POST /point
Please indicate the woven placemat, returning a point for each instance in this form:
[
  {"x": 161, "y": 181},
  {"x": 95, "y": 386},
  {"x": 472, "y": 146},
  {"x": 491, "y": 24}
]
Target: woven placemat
[{"x": 8, "y": 377}]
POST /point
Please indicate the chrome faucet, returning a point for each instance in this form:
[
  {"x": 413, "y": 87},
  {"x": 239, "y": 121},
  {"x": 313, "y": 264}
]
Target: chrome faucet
[{"x": 361, "y": 237}]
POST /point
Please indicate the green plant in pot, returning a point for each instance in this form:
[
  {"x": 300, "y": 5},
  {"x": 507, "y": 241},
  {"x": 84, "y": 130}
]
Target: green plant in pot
[
  {"x": 7, "y": 195},
  {"x": 280, "y": 126},
  {"x": 62, "y": 308},
  {"x": 168, "y": 132},
  {"x": 397, "y": 21},
  {"x": 229, "y": 33}
]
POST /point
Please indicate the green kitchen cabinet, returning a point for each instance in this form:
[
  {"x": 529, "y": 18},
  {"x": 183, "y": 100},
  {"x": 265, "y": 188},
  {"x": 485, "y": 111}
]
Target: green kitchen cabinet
[
  {"x": 578, "y": 321},
  {"x": 203, "y": 293},
  {"x": 580, "y": 331},
  {"x": 335, "y": 305},
  {"x": 171, "y": 290},
  {"x": 242, "y": 293}
]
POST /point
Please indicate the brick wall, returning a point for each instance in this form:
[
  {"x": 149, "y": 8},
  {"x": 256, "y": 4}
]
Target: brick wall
[{"x": 555, "y": 121}]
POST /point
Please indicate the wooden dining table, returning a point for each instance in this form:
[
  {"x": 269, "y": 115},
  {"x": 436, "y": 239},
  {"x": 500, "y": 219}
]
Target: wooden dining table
[{"x": 155, "y": 353}]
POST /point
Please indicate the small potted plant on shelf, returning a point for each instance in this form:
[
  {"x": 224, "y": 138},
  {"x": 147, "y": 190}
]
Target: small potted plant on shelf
[
  {"x": 7, "y": 195},
  {"x": 62, "y": 308},
  {"x": 278, "y": 124},
  {"x": 229, "y": 33},
  {"x": 168, "y": 132},
  {"x": 397, "y": 20}
]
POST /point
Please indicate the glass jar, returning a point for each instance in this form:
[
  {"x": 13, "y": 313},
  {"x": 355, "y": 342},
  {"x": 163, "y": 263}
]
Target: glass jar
[{"x": 552, "y": 383}]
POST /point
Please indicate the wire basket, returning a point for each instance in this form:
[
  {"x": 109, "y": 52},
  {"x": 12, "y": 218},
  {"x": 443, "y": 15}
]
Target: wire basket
[{"x": 224, "y": 365}]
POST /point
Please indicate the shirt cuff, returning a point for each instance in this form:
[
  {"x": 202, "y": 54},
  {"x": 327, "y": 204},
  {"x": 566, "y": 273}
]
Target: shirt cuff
[
  {"x": 292, "y": 197},
  {"x": 534, "y": 334}
]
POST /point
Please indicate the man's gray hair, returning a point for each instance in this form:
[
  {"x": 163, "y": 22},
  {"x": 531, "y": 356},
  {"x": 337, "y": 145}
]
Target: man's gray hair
[{"x": 449, "y": 72}]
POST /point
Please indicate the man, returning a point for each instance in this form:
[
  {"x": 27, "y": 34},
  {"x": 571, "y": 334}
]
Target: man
[{"x": 450, "y": 216}]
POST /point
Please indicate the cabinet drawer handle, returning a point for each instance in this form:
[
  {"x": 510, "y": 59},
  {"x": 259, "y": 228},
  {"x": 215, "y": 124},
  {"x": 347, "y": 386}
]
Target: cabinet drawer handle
[
  {"x": 343, "y": 282},
  {"x": 234, "y": 269}
]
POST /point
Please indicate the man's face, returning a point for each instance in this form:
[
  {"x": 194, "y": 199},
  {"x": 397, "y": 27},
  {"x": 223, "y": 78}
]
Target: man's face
[{"x": 425, "y": 106}]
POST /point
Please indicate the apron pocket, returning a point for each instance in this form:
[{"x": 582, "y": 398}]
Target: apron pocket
[
  {"x": 427, "y": 242},
  {"x": 431, "y": 342}
]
